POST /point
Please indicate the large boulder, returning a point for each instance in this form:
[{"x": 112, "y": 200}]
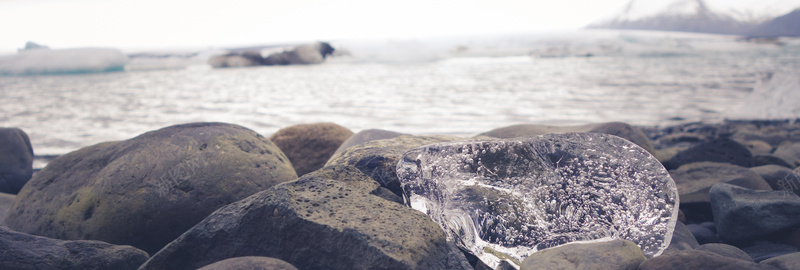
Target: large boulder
[
  {"x": 743, "y": 214},
  {"x": 695, "y": 179},
  {"x": 148, "y": 190},
  {"x": 309, "y": 146},
  {"x": 315, "y": 223},
  {"x": 615, "y": 254},
  {"x": 623, "y": 130},
  {"x": 699, "y": 259},
  {"x": 365, "y": 136},
  {"x": 378, "y": 159},
  {"x": 789, "y": 261},
  {"x": 6, "y": 201},
  {"x": 249, "y": 263},
  {"x": 789, "y": 153},
  {"x": 726, "y": 250},
  {"x": 16, "y": 160},
  {"x": 20, "y": 251},
  {"x": 720, "y": 150}
]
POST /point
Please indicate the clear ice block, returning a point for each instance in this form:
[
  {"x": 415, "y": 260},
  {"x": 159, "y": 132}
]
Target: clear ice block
[{"x": 505, "y": 199}]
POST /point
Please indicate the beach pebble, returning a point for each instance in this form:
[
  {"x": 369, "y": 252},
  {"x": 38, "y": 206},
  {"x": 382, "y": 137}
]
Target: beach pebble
[
  {"x": 695, "y": 179},
  {"x": 315, "y": 223},
  {"x": 148, "y": 190},
  {"x": 699, "y": 259},
  {"x": 6, "y": 201},
  {"x": 16, "y": 160},
  {"x": 249, "y": 263},
  {"x": 365, "y": 136},
  {"x": 703, "y": 234},
  {"x": 682, "y": 239},
  {"x": 779, "y": 177},
  {"x": 309, "y": 146},
  {"x": 769, "y": 159},
  {"x": 20, "y": 251},
  {"x": 757, "y": 147},
  {"x": 726, "y": 250},
  {"x": 789, "y": 153},
  {"x": 789, "y": 261},
  {"x": 719, "y": 150},
  {"x": 761, "y": 250},
  {"x": 615, "y": 254},
  {"x": 742, "y": 214}
]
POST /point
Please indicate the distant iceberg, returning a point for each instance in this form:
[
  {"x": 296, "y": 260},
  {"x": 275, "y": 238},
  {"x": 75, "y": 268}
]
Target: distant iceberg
[{"x": 40, "y": 60}]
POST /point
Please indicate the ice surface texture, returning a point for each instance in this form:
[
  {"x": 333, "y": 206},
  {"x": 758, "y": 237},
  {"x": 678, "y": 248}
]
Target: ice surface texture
[{"x": 521, "y": 195}]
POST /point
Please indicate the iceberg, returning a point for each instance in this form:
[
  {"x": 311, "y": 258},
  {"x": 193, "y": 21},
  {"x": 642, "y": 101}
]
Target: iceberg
[
  {"x": 44, "y": 61},
  {"x": 506, "y": 199}
]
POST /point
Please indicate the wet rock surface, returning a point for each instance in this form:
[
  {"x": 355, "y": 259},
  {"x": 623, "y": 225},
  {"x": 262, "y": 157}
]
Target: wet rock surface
[{"x": 743, "y": 214}]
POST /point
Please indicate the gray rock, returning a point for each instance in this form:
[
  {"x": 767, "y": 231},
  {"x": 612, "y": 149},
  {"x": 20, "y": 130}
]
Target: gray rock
[
  {"x": 301, "y": 55},
  {"x": 694, "y": 180},
  {"x": 615, "y": 254},
  {"x": 379, "y": 158},
  {"x": 757, "y": 147},
  {"x": 726, "y": 250},
  {"x": 779, "y": 177},
  {"x": 769, "y": 159},
  {"x": 761, "y": 250},
  {"x": 309, "y": 146},
  {"x": 20, "y": 251},
  {"x": 682, "y": 239},
  {"x": 743, "y": 214},
  {"x": 148, "y": 190},
  {"x": 247, "y": 59},
  {"x": 703, "y": 234},
  {"x": 365, "y": 136},
  {"x": 698, "y": 259},
  {"x": 315, "y": 223},
  {"x": 357, "y": 179},
  {"x": 6, "y": 201},
  {"x": 719, "y": 150},
  {"x": 249, "y": 263},
  {"x": 619, "y": 129},
  {"x": 789, "y": 261},
  {"x": 16, "y": 160},
  {"x": 789, "y": 153}
]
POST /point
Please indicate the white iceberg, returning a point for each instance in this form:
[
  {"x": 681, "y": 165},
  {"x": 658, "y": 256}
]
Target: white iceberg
[{"x": 44, "y": 61}]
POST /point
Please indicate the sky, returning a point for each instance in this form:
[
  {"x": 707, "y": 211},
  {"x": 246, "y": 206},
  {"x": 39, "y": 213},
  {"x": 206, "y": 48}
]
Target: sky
[{"x": 201, "y": 23}]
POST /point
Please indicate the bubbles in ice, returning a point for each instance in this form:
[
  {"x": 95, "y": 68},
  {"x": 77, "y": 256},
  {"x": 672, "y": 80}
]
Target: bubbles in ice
[{"x": 505, "y": 199}]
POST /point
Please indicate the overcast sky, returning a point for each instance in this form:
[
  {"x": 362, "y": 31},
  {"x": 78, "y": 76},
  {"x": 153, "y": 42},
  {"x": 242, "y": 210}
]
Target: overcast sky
[{"x": 185, "y": 23}]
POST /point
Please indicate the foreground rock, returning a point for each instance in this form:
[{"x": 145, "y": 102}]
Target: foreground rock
[
  {"x": 378, "y": 159},
  {"x": 719, "y": 150},
  {"x": 20, "y": 251},
  {"x": 742, "y": 214},
  {"x": 315, "y": 223},
  {"x": 695, "y": 180},
  {"x": 682, "y": 239},
  {"x": 148, "y": 190},
  {"x": 250, "y": 263},
  {"x": 726, "y": 250},
  {"x": 16, "y": 160},
  {"x": 789, "y": 261},
  {"x": 365, "y": 136},
  {"x": 780, "y": 178},
  {"x": 6, "y": 201},
  {"x": 789, "y": 153},
  {"x": 310, "y": 146},
  {"x": 699, "y": 259},
  {"x": 623, "y": 130},
  {"x": 616, "y": 254}
]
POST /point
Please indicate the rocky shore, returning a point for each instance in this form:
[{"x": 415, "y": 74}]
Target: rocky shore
[{"x": 318, "y": 196}]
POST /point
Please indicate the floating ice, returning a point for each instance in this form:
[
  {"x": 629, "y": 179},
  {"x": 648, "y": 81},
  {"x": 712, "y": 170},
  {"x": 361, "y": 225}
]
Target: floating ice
[
  {"x": 505, "y": 199},
  {"x": 43, "y": 61}
]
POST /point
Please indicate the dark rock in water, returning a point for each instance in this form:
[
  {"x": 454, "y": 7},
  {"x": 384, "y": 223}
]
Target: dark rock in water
[
  {"x": 743, "y": 214},
  {"x": 763, "y": 250},
  {"x": 365, "y": 136},
  {"x": 699, "y": 259},
  {"x": 20, "y": 251},
  {"x": 619, "y": 129},
  {"x": 702, "y": 234},
  {"x": 789, "y": 261},
  {"x": 148, "y": 190},
  {"x": 615, "y": 254},
  {"x": 726, "y": 250},
  {"x": 315, "y": 223},
  {"x": 301, "y": 55},
  {"x": 694, "y": 180},
  {"x": 16, "y": 160},
  {"x": 719, "y": 150},
  {"x": 761, "y": 160},
  {"x": 779, "y": 177},
  {"x": 247, "y": 59},
  {"x": 249, "y": 263},
  {"x": 378, "y": 159},
  {"x": 789, "y": 153},
  {"x": 6, "y": 201},
  {"x": 309, "y": 146},
  {"x": 682, "y": 239}
]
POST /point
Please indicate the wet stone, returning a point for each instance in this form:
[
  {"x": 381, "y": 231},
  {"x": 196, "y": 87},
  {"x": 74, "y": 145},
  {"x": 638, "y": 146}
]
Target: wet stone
[{"x": 506, "y": 199}]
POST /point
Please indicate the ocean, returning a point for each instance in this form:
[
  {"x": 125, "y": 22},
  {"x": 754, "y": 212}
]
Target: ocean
[{"x": 458, "y": 87}]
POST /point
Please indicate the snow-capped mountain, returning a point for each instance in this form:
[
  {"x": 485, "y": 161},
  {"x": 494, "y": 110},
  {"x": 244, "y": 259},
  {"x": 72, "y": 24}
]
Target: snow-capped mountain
[{"x": 736, "y": 17}]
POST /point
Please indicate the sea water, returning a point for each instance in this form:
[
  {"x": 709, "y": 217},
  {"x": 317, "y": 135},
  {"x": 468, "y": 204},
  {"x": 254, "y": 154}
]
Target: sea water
[{"x": 635, "y": 78}]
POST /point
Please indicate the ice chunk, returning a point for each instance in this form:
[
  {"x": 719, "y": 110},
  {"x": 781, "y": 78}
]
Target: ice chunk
[
  {"x": 43, "y": 61},
  {"x": 505, "y": 199}
]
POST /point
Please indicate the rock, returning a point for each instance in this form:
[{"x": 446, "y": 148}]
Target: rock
[
  {"x": 789, "y": 261},
  {"x": 249, "y": 263},
  {"x": 379, "y": 158},
  {"x": 6, "y": 201},
  {"x": 762, "y": 250},
  {"x": 757, "y": 147},
  {"x": 148, "y": 190},
  {"x": 615, "y": 254},
  {"x": 356, "y": 179},
  {"x": 703, "y": 234},
  {"x": 789, "y": 153},
  {"x": 698, "y": 259},
  {"x": 367, "y": 136},
  {"x": 682, "y": 239},
  {"x": 247, "y": 59},
  {"x": 20, "y": 251},
  {"x": 16, "y": 160},
  {"x": 743, "y": 214},
  {"x": 301, "y": 55},
  {"x": 315, "y": 223},
  {"x": 719, "y": 150},
  {"x": 761, "y": 160},
  {"x": 309, "y": 146},
  {"x": 694, "y": 180},
  {"x": 780, "y": 178},
  {"x": 726, "y": 250},
  {"x": 623, "y": 130}
]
